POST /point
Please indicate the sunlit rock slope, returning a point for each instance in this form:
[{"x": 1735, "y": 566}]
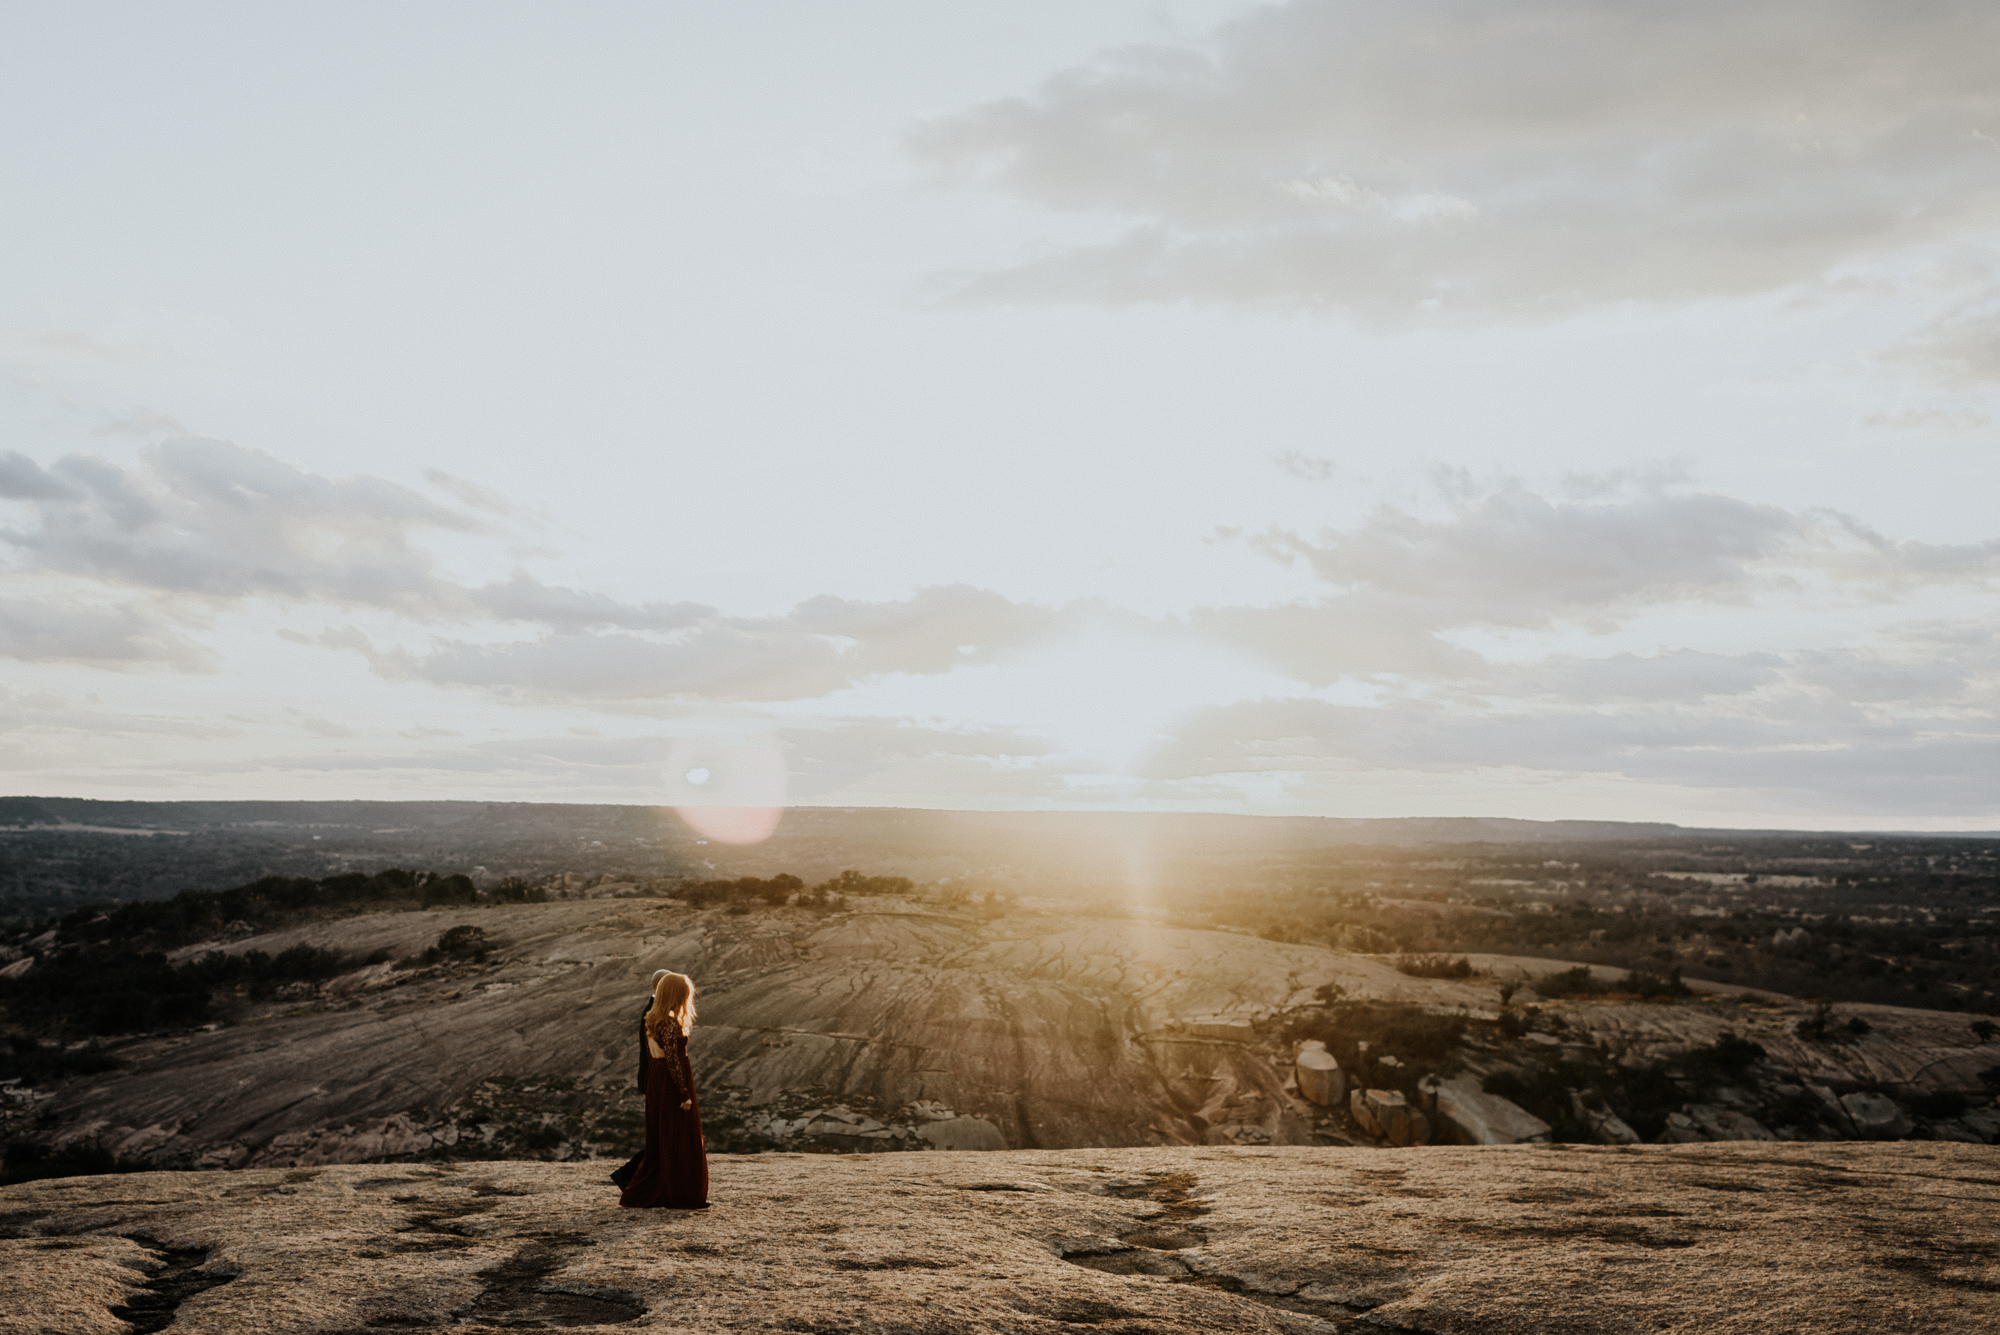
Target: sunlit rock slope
[{"x": 895, "y": 1027}]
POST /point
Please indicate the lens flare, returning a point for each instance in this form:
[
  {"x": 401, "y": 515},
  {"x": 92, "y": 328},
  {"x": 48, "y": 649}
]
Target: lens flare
[{"x": 729, "y": 789}]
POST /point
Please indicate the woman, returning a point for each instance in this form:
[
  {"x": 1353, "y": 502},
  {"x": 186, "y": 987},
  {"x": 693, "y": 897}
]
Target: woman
[{"x": 672, "y": 1171}]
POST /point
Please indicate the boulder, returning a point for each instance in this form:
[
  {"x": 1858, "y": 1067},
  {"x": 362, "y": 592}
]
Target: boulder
[
  {"x": 1606, "y": 1127},
  {"x": 1982, "y": 1122},
  {"x": 1469, "y": 1115},
  {"x": 1363, "y": 1109},
  {"x": 1321, "y": 1080},
  {"x": 1875, "y": 1116},
  {"x": 1385, "y": 1113},
  {"x": 1681, "y": 1130}
]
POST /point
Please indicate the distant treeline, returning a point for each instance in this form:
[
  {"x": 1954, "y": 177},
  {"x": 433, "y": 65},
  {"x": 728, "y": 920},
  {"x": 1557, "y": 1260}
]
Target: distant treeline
[
  {"x": 107, "y": 972},
  {"x": 784, "y": 888},
  {"x": 273, "y": 901}
]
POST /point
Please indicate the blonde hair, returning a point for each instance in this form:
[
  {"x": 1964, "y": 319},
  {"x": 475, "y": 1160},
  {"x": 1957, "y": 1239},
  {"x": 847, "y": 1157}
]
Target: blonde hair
[{"x": 673, "y": 1007}]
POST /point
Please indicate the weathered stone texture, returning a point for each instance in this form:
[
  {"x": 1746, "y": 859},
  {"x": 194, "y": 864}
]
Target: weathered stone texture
[{"x": 1556, "y": 1240}]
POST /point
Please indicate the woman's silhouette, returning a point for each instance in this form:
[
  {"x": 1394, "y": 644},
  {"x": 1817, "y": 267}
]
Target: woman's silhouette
[{"x": 672, "y": 1170}]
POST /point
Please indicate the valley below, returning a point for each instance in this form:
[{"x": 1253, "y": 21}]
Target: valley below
[{"x": 888, "y": 1023}]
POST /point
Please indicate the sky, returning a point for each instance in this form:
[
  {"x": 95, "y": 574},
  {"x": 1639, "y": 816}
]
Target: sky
[{"x": 1548, "y": 409}]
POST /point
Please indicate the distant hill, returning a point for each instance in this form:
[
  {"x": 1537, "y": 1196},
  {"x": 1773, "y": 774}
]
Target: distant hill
[
  {"x": 1291, "y": 831},
  {"x": 59, "y": 853}
]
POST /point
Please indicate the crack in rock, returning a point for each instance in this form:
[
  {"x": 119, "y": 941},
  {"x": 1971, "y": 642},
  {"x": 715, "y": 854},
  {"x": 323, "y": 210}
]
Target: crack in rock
[
  {"x": 1149, "y": 1251},
  {"x": 178, "y": 1279},
  {"x": 519, "y": 1294},
  {"x": 1172, "y": 1229}
]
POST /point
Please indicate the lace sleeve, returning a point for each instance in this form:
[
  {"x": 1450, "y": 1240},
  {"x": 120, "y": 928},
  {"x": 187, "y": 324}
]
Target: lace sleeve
[{"x": 676, "y": 1060}]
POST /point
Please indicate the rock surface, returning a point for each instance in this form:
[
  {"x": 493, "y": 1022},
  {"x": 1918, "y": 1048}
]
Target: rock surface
[
  {"x": 888, "y": 1027},
  {"x": 1559, "y": 1240},
  {"x": 1319, "y": 1076},
  {"x": 1475, "y": 1117},
  {"x": 1387, "y": 1115}
]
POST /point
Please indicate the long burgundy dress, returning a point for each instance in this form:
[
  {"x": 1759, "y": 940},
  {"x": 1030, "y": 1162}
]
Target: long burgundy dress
[{"x": 672, "y": 1171}]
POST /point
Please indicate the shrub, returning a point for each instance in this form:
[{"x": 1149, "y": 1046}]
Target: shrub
[
  {"x": 1939, "y": 1104},
  {"x": 1645, "y": 1096},
  {"x": 1434, "y": 966},
  {"x": 744, "y": 891},
  {"x": 463, "y": 942},
  {"x": 448, "y": 890},
  {"x": 1820, "y": 1026},
  {"x": 199, "y": 915},
  {"x": 854, "y": 883},
  {"x": 1412, "y": 1035},
  {"x": 30, "y": 1161},
  {"x": 35, "y": 1063},
  {"x": 1653, "y": 986},
  {"x": 106, "y": 992},
  {"x": 1726, "y": 1058},
  {"x": 1543, "y": 1091},
  {"x": 514, "y": 890},
  {"x": 260, "y": 974},
  {"x": 1577, "y": 982}
]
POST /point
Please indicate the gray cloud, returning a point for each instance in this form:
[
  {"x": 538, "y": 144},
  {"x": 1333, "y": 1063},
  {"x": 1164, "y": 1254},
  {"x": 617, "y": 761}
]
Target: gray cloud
[
  {"x": 1527, "y": 158},
  {"x": 22, "y": 479},
  {"x": 1960, "y": 350},
  {"x": 822, "y": 645},
  {"x": 524, "y": 598},
  {"x": 39, "y": 630},
  {"x": 212, "y": 522},
  {"x": 1803, "y": 743},
  {"x": 208, "y": 519},
  {"x": 1511, "y": 557},
  {"x": 51, "y": 715}
]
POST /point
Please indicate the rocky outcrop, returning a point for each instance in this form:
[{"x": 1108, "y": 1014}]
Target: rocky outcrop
[
  {"x": 1724, "y": 1239},
  {"x": 1875, "y": 1116},
  {"x": 895, "y": 1027},
  {"x": 1387, "y": 1115},
  {"x": 1319, "y": 1076},
  {"x": 1606, "y": 1127},
  {"x": 1474, "y": 1117}
]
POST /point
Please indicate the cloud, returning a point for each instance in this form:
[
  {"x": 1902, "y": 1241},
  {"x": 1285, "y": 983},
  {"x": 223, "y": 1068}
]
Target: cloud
[
  {"x": 1511, "y": 557},
  {"x": 22, "y": 479},
  {"x": 208, "y": 519},
  {"x": 142, "y": 422},
  {"x": 1457, "y": 155},
  {"x": 1833, "y": 731},
  {"x": 1322, "y": 642},
  {"x": 468, "y": 493},
  {"x": 824, "y": 644},
  {"x": 37, "y": 630},
  {"x": 1508, "y": 558},
  {"x": 524, "y": 598},
  {"x": 1306, "y": 467},
  {"x": 61, "y": 718},
  {"x": 1959, "y": 350}
]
